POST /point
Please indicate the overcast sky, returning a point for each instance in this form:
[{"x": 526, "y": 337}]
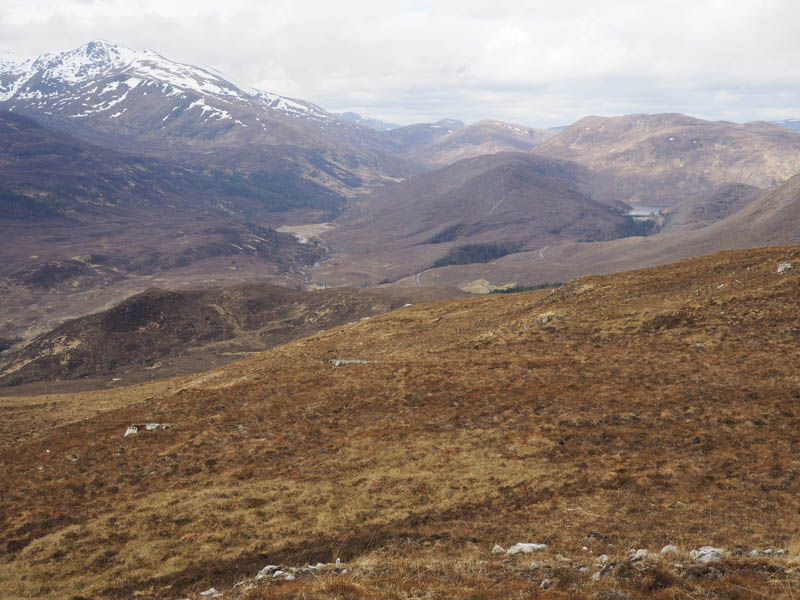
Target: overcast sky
[{"x": 535, "y": 62}]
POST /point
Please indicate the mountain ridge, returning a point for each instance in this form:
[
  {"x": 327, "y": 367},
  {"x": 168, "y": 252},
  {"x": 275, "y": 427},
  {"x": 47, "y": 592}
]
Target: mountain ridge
[{"x": 659, "y": 159}]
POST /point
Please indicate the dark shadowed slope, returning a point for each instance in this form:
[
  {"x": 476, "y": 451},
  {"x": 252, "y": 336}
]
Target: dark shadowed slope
[
  {"x": 772, "y": 220},
  {"x": 519, "y": 200},
  {"x": 161, "y": 333}
]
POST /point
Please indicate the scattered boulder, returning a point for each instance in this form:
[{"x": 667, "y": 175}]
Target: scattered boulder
[
  {"x": 498, "y": 549},
  {"x": 783, "y": 267},
  {"x": 639, "y": 554},
  {"x": 669, "y": 549},
  {"x": 267, "y": 572},
  {"x": 132, "y": 430},
  {"x": 525, "y": 548},
  {"x": 597, "y": 536},
  {"x": 211, "y": 593},
  {"x": 707, "y": 554}
]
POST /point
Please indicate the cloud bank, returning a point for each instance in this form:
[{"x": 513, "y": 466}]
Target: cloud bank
[{"x": 531, "y": 62}]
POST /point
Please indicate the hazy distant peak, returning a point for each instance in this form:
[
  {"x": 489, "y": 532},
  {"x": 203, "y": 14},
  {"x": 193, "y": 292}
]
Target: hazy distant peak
[{"x": 453, "y": 124}]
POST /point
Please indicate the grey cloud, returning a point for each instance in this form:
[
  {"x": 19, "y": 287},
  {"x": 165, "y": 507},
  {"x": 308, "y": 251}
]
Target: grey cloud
[{"x": 531, "y": 62}]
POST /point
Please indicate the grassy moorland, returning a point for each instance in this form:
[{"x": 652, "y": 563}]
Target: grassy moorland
[{"x": 649, "y": 408}]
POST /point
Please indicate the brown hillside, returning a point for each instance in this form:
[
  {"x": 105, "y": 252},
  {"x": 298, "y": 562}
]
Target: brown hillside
[
  {"x": 483, "y": 137},
  {"x": 161, "y": 333},
  {"x": 713, "y": 206},
  {"x": 618, "y": 412},
  {"x": 520, "y": 199},
  {"x": 661, "y": 159},
  {"x": 772, "y": 220}
]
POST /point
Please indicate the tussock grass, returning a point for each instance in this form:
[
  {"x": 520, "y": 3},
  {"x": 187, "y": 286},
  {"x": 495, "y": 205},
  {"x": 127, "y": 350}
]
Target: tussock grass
[{"x": 638, "y": 410}]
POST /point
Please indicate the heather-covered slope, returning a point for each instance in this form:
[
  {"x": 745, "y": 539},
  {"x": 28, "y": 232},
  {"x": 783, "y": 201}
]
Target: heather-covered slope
[
  {"x": 515, "y": 200},
  {"x": 160, "y": 333},
  {"x": 772, "y": 220},
  {"x": 662, "y": 159},
  {"x": 626, "y": 411},
  {"x": 713, "y": 206}
]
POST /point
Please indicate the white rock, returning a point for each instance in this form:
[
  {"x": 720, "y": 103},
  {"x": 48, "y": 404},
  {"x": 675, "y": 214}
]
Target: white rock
[
  {"x": 152, "y": 426},
  {"x": 707, "y": 554},
  {"x": 639, "y": 554},
  {"x": 525, "y": 548},
  {"x": 266, "y": 572},
  {"x": 133, "y": 430},
  {"x": 670, "y": 549},
  {"x": 603, "y": 558},
  {"x": 546, "y": 583},
  {"x": 754, "y": 553},
  {"x": 780, "y": 552},
  {"x": 767, "y": 552},
  {"x": 585, "y": 549},
  {"x": 338, "y": 562},
  {"x": 277, "y": 574},
  {"x": 211, "y": 592},
  {"x": 783, "y": 267},
  {"x": 498, "y": 549},
  {"x": 290, "y": 577}
]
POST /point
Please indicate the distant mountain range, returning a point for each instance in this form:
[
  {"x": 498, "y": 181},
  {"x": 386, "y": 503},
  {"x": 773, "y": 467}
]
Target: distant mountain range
[
  {"x": 375, "y": 124},
  {"x": 663, "y": 159},
  {"x": 122, "y": 169},
  {"x": 144, "y": 103}
]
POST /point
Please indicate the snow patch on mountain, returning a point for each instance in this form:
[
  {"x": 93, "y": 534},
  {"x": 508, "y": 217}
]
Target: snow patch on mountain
[
  {"x": 290, "y": 106},
  {"x": 97, "y": 80}
]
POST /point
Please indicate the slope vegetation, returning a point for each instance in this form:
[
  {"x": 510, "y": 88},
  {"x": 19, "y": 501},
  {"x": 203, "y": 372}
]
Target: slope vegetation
[
  {"x": 661, "y": 159},
  {"x": 773, "y": 219},
  {"x": 162, "y": 333},
  {"x": 626, "y": 411},
  {"x": 708, "y": 208},
  {"x": 82, "y": 227},
  {"x": 519, "y": 200},
  {"x": 483, "y": 137}
]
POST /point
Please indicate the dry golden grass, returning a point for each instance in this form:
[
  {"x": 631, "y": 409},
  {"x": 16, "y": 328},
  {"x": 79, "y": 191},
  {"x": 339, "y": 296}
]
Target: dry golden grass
[{"x": 653, "y": 407}]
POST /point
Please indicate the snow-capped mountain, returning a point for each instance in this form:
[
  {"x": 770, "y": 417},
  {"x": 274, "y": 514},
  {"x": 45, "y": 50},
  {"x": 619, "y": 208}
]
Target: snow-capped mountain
[
  {"x": 101, "y": 79},
  {"x": 141, "y": 102}
]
